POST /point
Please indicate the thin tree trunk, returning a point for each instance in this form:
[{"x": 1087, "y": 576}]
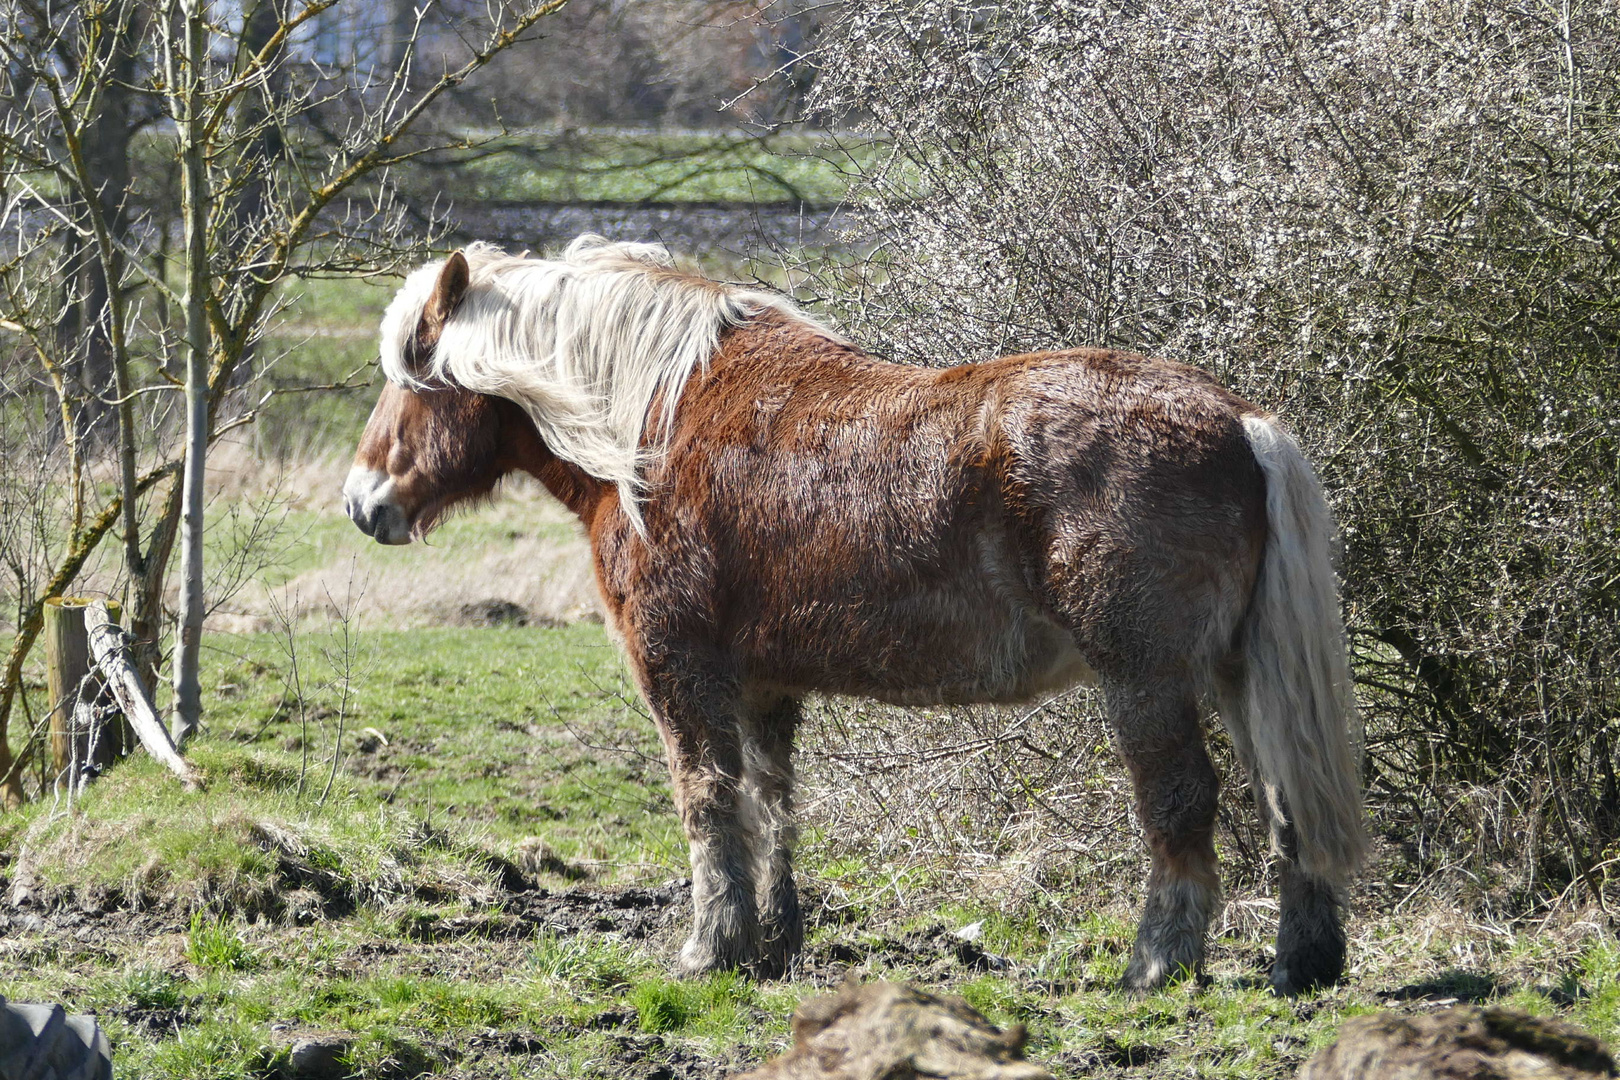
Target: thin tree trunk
[
  {"x": 104, "y": 145},
  {"x": 146, "y": 619},
  {"x": 259, "y": 164},
  {"x": 106, "y": 151},
  {"x": 187, "y": 689}
]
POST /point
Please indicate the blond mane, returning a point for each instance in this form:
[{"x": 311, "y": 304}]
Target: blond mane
[{"x": 583, "y": 343}]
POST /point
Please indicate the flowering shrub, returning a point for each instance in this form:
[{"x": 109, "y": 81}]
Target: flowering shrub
[{"x": 1396, "y": 224}]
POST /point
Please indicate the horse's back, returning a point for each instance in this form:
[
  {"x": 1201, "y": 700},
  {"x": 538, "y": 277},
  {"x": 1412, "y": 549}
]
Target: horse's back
[{"x": 980, "y": 532}]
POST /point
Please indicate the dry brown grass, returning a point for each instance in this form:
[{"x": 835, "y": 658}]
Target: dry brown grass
[{"x": 1014, "y": 807}]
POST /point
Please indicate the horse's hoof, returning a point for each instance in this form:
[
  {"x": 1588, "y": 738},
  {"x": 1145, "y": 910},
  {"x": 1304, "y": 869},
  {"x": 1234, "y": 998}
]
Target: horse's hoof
[
  {"x": 699, "y": 958},
  {"x": 781, "y": 938},
  {"x": 775, "y": 959},
  {"x": 1310, "y": 951},
  {"x": 1306, "y": 970},
  {"x": 1142, "y": 979},
  {"x": 1146, "y": 977},
  {"x": 694, "y": 963}
]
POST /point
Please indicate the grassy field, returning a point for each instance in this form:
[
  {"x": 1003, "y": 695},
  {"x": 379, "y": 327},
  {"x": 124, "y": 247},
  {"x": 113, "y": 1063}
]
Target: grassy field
[
  {"x": 663, "y": 166},
  {"x": 489, "y": 883}
]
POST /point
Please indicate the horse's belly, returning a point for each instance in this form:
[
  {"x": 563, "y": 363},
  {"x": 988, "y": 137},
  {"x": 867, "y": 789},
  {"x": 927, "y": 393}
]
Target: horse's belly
[
  {"x": 1028, "y": 657},
  {"x": 947, "y": 652},
  {"x": 911, "y": 634}
]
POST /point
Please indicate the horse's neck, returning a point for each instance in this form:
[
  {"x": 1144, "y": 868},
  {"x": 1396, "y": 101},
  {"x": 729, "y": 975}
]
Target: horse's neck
[
  {"x": 525, "y": 451},
  {"x": 570, "y": 485},
  {"x": 767, "y": 348}
]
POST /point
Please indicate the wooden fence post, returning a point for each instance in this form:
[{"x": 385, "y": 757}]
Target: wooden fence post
[
  {"x": 75, "y": 690},
  {"x": 109, "y": 645}
]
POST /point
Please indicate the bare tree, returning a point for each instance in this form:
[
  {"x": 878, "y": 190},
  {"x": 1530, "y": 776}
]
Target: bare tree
[{"x": 285, "y": 150}]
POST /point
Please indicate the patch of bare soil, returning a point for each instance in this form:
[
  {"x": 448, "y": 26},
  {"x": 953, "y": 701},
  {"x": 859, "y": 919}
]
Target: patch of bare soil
[
  {"x": 520, "y": 912},
  {"x": 93, "y": 928},
  {"x": 635, "y": 914},
  {"x": 494, "y": 612},
  {"x": 634, "y": 1056},
  {"x": 157, "y": 1021},
  {"x": 650, "y": 1057},
  {"x": 934, "y": 952}
]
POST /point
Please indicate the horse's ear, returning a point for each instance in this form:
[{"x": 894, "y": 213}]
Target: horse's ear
[{"x": 448, "y": 290}]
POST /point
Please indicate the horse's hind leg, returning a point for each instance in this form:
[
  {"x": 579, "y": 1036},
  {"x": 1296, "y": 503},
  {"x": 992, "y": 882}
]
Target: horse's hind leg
[
  {"x": 1310, "y": 927},
  {"x": 1310, "y": 924},
  {"x": 769, "y": 765},
  {"x": 1157, "y": 730},
  {"x": 698, "y": 717}
]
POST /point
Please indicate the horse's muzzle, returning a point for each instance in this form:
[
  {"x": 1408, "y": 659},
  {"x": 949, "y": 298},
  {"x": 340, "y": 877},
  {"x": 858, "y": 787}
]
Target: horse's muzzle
[{"x": 369, "y": 502}]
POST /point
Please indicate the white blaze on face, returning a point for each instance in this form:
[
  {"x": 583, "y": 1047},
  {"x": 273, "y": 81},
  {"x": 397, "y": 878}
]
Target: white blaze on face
[{"x": 368, "y": 499}]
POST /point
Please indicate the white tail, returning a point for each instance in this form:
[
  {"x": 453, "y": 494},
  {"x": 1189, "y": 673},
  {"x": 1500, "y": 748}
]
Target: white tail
[{"x": 1298, "y": 703}]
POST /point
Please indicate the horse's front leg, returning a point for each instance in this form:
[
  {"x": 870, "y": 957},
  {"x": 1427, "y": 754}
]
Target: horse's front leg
[
  {"x": 769, "y": 762},
  {"x": 698, "y": 717}
]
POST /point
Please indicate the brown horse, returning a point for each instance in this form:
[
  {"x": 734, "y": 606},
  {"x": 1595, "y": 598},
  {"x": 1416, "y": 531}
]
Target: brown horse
[{"x": 773, "y": 512}]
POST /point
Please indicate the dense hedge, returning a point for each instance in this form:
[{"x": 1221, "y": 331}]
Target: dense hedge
[{"x": 1397, "y": 225}]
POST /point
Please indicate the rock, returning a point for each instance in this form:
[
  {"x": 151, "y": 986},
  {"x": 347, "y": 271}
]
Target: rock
[
  {"x": 1462, "y": 1043},
  {"x": 891, "y": 1031},
  {"x": 319, "y": 1057}
]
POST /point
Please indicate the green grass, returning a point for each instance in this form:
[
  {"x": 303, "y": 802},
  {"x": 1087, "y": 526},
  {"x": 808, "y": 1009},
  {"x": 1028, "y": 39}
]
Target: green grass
[
  {"x": 214, "y": 944},
  {"x": 489, "y": 726},
  {"x": 273, "y": 912},
  {"x": 222, "y": 1049},
  {"x": 486, "y": 750},
  {"x": 574, "y": 166},
  {"x": 477, "y": 741},
  {"x": 717, "y": 1007}
]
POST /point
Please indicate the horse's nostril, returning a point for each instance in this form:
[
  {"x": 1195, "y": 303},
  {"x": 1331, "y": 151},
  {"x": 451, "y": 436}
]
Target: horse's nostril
[
  {"x": 368, "y": 499},
  {"x": 357, "y": 514}
]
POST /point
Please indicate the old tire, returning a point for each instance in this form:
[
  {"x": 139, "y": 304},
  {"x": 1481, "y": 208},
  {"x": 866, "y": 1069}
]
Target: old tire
[{"x": 42, "y": 1042}]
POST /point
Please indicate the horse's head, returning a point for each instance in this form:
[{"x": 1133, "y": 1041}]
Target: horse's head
[{"x": 429, "y": 447}]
